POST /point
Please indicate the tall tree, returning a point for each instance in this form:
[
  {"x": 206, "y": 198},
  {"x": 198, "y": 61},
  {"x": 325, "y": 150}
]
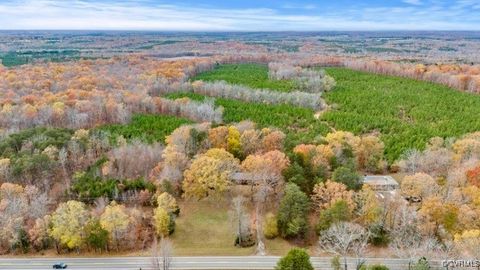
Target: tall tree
[
  {"x": 168, "y": 202},
  {"x": 96, "y": 235},
  {"x": 241, "y": 221},
  {"x": 292, "y": 213},
  {"x": 209, "y": 173},
  {"x": 162, "y": 256},
  {"x": 116, "y": 221},
  {"x": 162, "y": 221},
  {"x": 68, "y": 223},
  {"x": 343, "y": 239}
]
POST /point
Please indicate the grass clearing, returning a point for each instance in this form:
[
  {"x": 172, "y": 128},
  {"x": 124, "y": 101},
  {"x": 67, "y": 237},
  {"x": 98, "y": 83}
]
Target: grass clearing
[
  {"x": 205, "y": 228},
  {"x": 251, "y": 75}
]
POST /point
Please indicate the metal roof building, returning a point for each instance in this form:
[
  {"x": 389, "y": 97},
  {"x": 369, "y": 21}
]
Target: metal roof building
[{"x": 381, "y": 182}]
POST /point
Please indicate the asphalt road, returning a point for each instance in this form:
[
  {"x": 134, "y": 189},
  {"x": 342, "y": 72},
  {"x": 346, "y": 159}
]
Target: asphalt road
[{"x": 180, "y": 263}]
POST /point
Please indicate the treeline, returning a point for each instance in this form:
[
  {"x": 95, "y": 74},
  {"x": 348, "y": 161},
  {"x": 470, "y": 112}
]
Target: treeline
[
  {"x": 104, "y": 110},
  {"x": 462, "y": 77},
  {"x": 99, "y": 194},
  {"x": 442, "y": 184},
  {"x": 28, "y": 225},
  {"x": 265, "y": 96},
  {"x": 88, "y": 93},
  {"x": 312, "y": 81}
]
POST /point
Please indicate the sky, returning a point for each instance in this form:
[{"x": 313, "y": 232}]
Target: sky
[{"x": 240, "y": 15}]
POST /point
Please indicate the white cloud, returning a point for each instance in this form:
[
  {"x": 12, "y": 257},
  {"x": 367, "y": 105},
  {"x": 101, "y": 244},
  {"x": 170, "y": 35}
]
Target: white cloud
[
  {"x": 135, "y": 15},
  {"x": 413, "y": 2},
  {"x": 301, "y": 6}
]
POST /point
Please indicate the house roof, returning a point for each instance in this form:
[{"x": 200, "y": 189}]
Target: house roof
[{"x": 379, "y": 180}]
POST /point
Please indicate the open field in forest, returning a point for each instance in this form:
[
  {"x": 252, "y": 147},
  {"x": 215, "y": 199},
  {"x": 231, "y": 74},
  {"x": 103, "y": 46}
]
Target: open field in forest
[
  {"x": 251, "y": 75},
  {"x": 149, "y": 128},
  {"x": 406, "y": 112},
  {"x": 205, "y": 228}
]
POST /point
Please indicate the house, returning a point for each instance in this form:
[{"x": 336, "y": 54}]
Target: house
[{"x": 381, "y": 183}]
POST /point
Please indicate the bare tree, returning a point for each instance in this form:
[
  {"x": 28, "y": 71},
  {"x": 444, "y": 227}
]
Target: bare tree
[
  {"x": 258, "y": 224},
  {"x": 162, "y": 258},
  {"x": 345, "y": 238},
  {"x": 222, "y": 89},
  {"x": 155, "y": 255},
  {"x": 411, "y": 161},
  {"x": 407, "y": 242},
  {"x": 241, "y": 219}
]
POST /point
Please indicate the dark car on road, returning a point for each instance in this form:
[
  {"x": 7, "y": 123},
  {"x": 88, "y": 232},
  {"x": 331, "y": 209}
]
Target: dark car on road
[{"x": 59, "y": 266}]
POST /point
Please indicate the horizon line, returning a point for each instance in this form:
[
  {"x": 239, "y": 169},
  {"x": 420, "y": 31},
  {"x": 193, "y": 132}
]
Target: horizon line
[{"x": 251, "y": 31}]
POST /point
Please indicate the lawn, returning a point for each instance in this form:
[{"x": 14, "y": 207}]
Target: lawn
[
  {"x": 205, "y": 228},
  {"x": 407, "y": 112},
  {"x": 251, "y": 75}
]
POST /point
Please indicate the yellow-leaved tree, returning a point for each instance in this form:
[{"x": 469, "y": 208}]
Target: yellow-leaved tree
[
  {"x": 467, "y": 243},
  {"x": 419, "y": 185},
  {"x": 209, "y": 173},
  {"x": 115, "y": 220},
  {"x": 68, "y": 222},
  {"x": 233, "y": 141},
  {"x": 161, "y": 222},
  {"x": 368, "y": 207},
  {"x": 168, "y": 202}
]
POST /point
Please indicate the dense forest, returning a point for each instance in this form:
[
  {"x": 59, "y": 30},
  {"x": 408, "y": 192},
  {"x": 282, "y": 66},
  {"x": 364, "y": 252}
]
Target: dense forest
[{"x": 107, "y": 155}]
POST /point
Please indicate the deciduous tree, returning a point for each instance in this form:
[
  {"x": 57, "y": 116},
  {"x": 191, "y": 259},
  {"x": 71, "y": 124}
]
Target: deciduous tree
[
  {"x": 168, "y": 202},
  {"x": 343, "y": 239},
  {"x": 162, "y": 222},
  {"x": 115, "y": 220},
  {"x": 328, "y": 193},
  {"x": 68, "y": 222},
  {"x": 209, "y": 173}
]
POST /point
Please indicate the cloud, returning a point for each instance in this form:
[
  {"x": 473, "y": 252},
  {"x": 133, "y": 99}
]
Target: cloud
[
  {"x": 299, "y": 6},
  {"x": 150, "y": 15},
  {"x": 413, "y": 2}
]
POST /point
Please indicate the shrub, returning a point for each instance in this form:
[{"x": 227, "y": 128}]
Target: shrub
[
  {"x": 335, "y": 262},
  {"x": 348, "y": 177},
  {"x": 248, "y": 240},
  {"x": 379, "y": 235},
  {"x": 270, "y": 228},
  {"x": 422, "y": 264},
  {"x": 339, "y": 211},
  {"x": 296, "y": 259}
]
